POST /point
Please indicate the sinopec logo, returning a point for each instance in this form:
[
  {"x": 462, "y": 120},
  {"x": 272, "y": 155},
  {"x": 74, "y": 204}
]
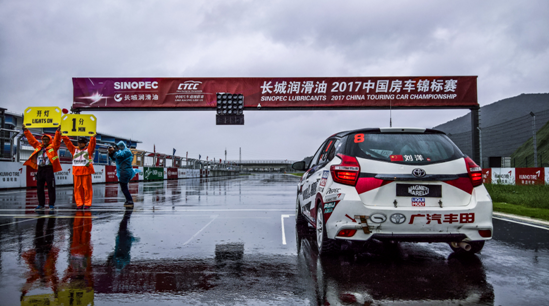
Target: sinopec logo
[
  {"x": 189, "y": 85},
  {"x": 136, "y": 85}
]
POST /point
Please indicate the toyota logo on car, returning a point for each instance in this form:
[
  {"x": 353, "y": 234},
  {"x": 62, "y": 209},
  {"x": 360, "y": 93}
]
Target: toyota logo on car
[{"x": 418, "y": 172}]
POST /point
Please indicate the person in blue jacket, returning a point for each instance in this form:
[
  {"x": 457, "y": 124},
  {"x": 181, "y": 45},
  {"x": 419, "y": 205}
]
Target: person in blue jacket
[{"x": 123, "y": 158}]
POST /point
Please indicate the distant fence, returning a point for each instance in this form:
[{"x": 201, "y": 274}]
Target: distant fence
[
  {"x": 504, "y": 139},
  {"x": 528, "y": 161},
  {"x": 262, "y": 162}
]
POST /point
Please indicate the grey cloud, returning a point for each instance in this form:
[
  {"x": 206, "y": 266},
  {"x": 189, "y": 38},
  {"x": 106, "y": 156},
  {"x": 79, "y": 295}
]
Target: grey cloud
[{"x": 44, "y": 44}]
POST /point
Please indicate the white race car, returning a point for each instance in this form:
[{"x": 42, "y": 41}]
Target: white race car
[{"x": 394, "y": 184}]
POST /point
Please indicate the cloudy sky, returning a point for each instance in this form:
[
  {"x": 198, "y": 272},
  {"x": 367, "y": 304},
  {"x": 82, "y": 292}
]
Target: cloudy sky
[{"x": 43, "y": 44}]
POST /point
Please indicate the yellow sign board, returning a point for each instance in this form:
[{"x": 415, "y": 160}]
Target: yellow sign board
[
  {"x": 42, "y": 117},
  {"x": 65, "y": 297},
  {"x": 78, "y": 125}
]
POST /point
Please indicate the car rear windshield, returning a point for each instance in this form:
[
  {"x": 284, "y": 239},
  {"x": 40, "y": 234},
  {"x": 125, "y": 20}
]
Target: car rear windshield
[{"x": 403, "y": 148}]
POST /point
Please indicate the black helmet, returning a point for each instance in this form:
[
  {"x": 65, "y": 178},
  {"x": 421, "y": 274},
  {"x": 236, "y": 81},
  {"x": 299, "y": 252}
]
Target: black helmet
[{"x": 82, "y": 139}]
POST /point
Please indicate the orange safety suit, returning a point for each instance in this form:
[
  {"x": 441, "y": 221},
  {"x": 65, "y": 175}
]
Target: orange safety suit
[
  {"x": 79, "y": 273},
  {"x": 51, "y": 151},
  {"x": 82, "y": 169}
]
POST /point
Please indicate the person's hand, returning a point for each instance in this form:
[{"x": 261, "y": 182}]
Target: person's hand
[
  {"x": 24, "y": 128},
  {"x": 111, "y": 149},
  {"x": 59, "y": 128}
]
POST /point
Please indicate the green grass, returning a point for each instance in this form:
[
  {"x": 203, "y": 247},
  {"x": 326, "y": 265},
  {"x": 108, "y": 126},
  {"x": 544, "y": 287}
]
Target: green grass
[
  {"x": 538, "y": 213},
  {"x": 530, "y": 201},
  {"x": 532, "y": 196},
  {"x": 297, "y": 174}
]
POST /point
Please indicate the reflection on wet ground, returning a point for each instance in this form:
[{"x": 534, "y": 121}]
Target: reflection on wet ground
[
  {"x": 219, "y": 241},
  {"x": 383, "y": 273}
]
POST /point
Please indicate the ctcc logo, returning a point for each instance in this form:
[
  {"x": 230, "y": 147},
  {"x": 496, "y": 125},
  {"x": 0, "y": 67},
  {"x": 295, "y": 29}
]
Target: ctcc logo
[{"x": 189, "y": 85}]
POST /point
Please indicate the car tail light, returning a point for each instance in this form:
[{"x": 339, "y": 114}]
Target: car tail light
[
  {"x": 347, "y": 172},
  {"x": 347, "y": 233},
  {"x": 485, "y": 233},
  {"x": 475, "y": 172}
]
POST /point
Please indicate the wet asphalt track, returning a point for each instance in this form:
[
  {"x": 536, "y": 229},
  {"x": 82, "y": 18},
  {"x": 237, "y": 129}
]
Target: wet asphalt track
[{"x": 232, "y": 241}]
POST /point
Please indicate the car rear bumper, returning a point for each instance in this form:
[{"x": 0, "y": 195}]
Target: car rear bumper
[
  {"x": 468, "y": 223},
  {"x": 420, "y": 237}
]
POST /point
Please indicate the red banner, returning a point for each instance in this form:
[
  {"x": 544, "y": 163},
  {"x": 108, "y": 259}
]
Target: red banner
[
  {"x": 487, "y": 176},
  {"x": 31, "y": 177},
  {"x": 136, "y": 177},
  {"x": 278, "y": 93},
  {"x": 110, "y": 174},
  {"x": 172, "y": 174},
  {"x": 529, "y": 176}
]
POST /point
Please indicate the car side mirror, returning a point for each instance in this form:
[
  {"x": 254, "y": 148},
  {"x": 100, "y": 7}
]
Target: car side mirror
[{"x": 299, "y": 166}]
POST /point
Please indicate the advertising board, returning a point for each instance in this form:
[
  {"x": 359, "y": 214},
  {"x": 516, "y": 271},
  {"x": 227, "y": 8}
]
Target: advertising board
[
  {"x": 12, "y": 176},
  {"x": 110, "y": 174},
  {"x": 530, "y": 176},
  {"x": 64, "y": 177},
  {"x": 136, "y": 176},
  {"x": 275, "y": 93},
  {"x": 172, "y": 174},
  {"x": 487, "y": 176},
  {"x": 503, "y": 176},
  {"x": 153, "y": 173},
  {"x": 99, "y": 175}
]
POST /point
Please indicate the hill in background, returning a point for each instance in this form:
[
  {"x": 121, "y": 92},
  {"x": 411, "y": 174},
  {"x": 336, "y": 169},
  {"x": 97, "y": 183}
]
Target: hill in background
[
  {"x": 499, "y": 112},
  {"x": 505, "y": 126}
]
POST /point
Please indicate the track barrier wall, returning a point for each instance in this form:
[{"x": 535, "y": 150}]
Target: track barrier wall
[{"x": 16, "y": 175}]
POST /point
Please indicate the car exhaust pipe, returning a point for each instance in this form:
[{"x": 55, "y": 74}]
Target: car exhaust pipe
[{"x": 464, "y": 245}]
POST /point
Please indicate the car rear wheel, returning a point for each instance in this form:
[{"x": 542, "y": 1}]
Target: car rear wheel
[
  {"x": 299, "y": 218},
  {"x": 471, "y": 247},
  {"x": 325, "y": 245}
]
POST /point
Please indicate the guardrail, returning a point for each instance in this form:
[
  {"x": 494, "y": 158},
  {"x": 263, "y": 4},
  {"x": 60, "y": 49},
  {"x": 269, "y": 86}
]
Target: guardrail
[{"x": 262, "y": 162}]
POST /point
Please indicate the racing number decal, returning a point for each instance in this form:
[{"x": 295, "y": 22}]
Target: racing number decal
[{"x": 359, "y": 138}]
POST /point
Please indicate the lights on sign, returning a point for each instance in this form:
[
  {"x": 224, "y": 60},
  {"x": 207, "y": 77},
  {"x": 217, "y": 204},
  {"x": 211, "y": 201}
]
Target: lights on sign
[
  {"x": 230, "y": 109},
  {"x": 230, "y": 104}
]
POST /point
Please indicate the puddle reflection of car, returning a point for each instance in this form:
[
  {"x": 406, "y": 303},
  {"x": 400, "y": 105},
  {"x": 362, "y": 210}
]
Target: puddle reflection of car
[
  {"x": 393, "y": 274},
  {"x": 394, "y": 184}
]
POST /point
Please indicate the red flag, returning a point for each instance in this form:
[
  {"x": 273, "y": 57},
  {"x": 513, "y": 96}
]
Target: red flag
[{"x": 396, "y": 158}]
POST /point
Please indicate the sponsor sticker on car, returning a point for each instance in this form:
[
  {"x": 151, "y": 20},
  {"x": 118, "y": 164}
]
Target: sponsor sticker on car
[
  {"x": 329, "y": 207},
  {"x": 418, "y": 202},
  {"x": 418, "y": 190},
  {"x": 334, "y": 197},
  {"x": 324, "y": 178}
]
